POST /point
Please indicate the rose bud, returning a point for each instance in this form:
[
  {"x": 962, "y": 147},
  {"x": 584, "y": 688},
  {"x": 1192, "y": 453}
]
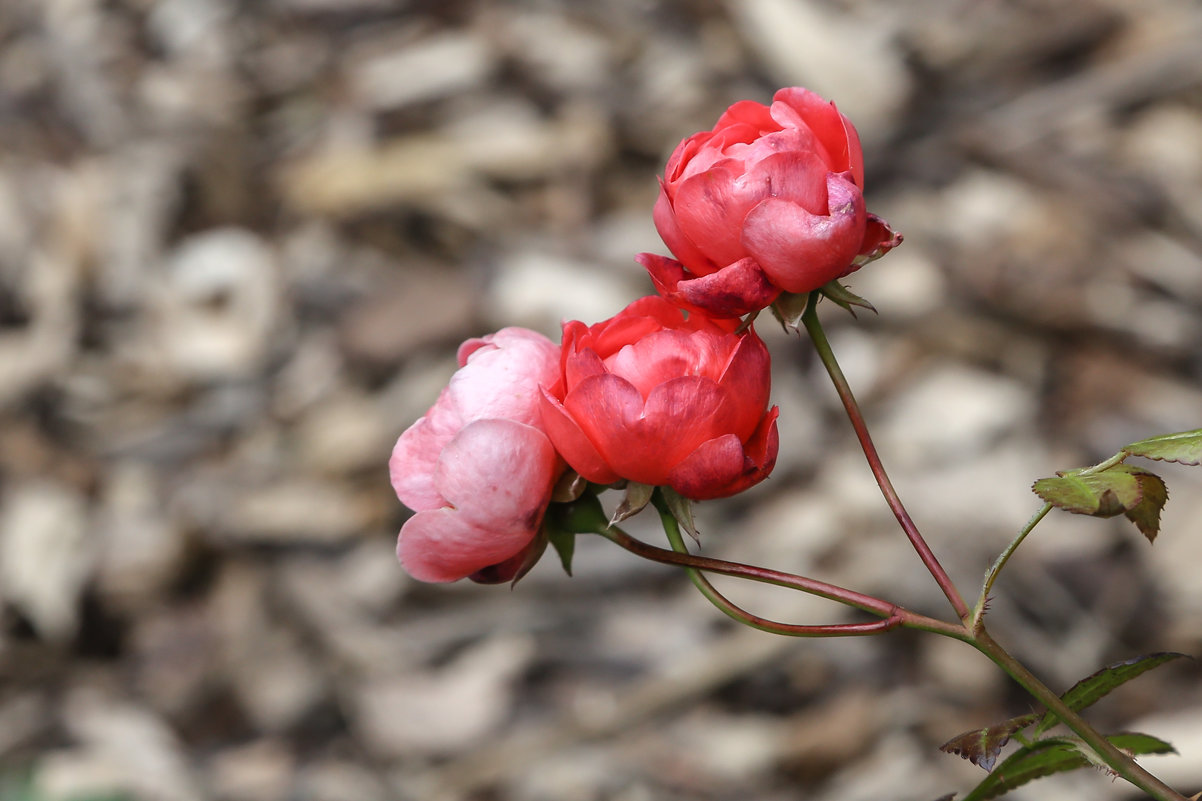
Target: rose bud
[
  {"x": 769, "y": 200},
  {"x": 652, "y": 397},
  {"x": 478, "y": 468}
]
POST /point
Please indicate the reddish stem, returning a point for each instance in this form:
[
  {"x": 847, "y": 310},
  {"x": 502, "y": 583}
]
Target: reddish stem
[{"x": 810, "y": 320}]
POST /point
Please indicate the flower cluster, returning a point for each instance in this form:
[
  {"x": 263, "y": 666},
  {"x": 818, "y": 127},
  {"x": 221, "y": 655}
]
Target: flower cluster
[{"x": 673, "y": 391}]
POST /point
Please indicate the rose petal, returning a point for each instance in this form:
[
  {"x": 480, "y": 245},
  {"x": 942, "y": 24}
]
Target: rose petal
[
  {"x": 733, "y": 291},
  {"x": 411, "y": 465},
  {"x": 498, "y": 474},
  {"x": 795, "y": 106},
  {"x": 681, "y": 246},
  {"x": 572, "y": 443},
  {"x": 800, "y": 251},
  {"x": 746, "y": 380},
  {"x": 709, "y": 469},
  {"x": 501, "y": 382},
  {"x": 799, "y": 176},
  {"x": 723, "y": 467},
  {"x": 441, "y": 545},
  {"x": 709, "y": 211}
]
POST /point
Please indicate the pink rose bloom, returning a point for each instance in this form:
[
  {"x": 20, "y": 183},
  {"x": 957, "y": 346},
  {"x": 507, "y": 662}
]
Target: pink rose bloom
[
  {"x": 652, "y": 397},
  {"x": 478, "y": 468},
  {"x": 769, "y": 200}
]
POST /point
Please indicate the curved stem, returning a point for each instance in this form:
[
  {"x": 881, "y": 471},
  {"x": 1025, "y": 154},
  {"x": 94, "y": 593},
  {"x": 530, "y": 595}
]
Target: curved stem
[
  {"x": 904, "y": 617},
  {"x": 736, "y": 612},
  {"x": 1123, "y": 765},
  {"x": 978, "y": 614},
  {"x": 814, "y": 328},
  {"x": 999, "y": 563}
]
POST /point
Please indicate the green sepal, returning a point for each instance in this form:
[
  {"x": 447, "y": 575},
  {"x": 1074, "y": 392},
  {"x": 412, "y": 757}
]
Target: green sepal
[
  {"x": 635, "y": 498},
  {"x": 564, "y": 543},
  {"x": 844, "y": 298},
  {"x": 581, "y": 516},
  {"x": 788, "y": 309},
  {"x": 680, "y": 508},
  {"x": 570, "y": 486}
]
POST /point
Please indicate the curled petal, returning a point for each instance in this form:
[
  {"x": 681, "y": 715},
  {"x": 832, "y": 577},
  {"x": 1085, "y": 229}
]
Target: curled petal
[
  {"x": 723, "y": 467},
  {"x": 800, "y": 251},
  {"x": 709, "y": 469},
  {"x": 733, "y": 291}
]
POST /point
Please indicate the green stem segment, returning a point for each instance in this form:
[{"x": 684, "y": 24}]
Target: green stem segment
[
  {"x": 813, "y": 327},
  {"x": 978, "y": 614}
]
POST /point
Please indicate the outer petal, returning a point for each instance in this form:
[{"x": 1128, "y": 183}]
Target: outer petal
[
  {"x": 795, "y": 106},
  {"x": 709, "y": 211},
  {"x": 800, "y": 251},
  {"x": 411, "y": 466},
  {"x": 441, "y": 545},
  {"x": 572, "y": 443},
  {"x": 501, "y": 382},
  {"x": 747, "y": 379},
  {"x": 733, "y": 291},
  {"x": 498, "y": 474},
  {"x": 709, "y": 469},
  {"x": 800, "y": 177},
  {"x": 680, "y": 415},
  {"x": 669, "y": 230},
  {"x": 723, "y": 467}
]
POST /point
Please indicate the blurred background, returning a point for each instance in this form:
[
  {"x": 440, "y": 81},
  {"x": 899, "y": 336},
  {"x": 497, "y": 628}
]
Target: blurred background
[{"x": 240, "y": 241}]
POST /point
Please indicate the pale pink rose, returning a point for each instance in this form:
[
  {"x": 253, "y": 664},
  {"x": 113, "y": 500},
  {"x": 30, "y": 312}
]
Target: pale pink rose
[{"x": 478, "y": 468}]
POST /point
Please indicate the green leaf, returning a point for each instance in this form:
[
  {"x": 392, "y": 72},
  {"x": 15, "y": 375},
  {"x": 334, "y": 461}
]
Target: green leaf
[
  {"x": 1184, "y": 447},
  {"x": 1057, "y": 755},
  {"x": 1094, "y": 687},
  {"x": 1146, "y": 514},
  {"x": 1104, "y": 494},
  {"x": 1136, "y": 744},
  {"x": 1043, "y": 758},
  {"x": 982, "y": 746}
]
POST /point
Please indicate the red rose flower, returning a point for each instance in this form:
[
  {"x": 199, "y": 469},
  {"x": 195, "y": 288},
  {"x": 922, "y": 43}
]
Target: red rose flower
[
  {"x": 769, "y": 200},
  {"x": 652, "y": 397}
]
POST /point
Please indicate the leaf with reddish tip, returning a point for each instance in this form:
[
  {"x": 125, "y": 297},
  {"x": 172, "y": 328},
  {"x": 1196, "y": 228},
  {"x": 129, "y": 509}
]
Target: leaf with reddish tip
[
  {"x": 1184, "y": 447},
  {"x": 982, "y": 746},
  {"x": 1146, "y": 514},
  {"x": 1094, "y": 687}
]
